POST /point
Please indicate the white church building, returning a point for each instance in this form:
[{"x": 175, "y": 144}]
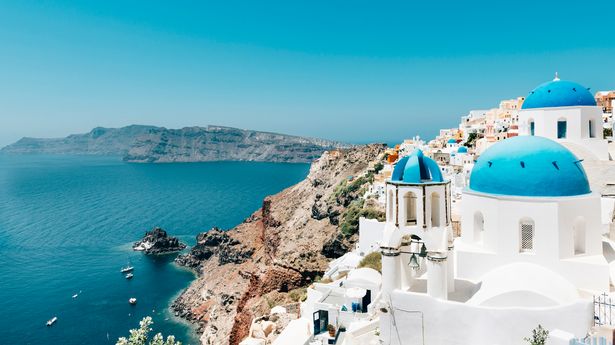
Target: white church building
[
  {"x": 530, "y": 251},
  {"x": 566, "y": 112}
]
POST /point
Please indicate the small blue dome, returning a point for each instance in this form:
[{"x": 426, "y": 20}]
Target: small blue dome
[
  {"x": 416, "y": 168},
  {"x": 558, "y": 93},
  {"x": 452, "y": 141},
  {"x": 462, "y": 149},
  {"x": 529, "y": 166}
]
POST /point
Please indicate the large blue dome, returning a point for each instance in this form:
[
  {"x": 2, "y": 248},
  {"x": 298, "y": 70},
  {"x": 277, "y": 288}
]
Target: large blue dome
[
  {"x": 529, "y": 166},
  {"x": 558, "y": 93},
  {"x": 416, "y": 168}
]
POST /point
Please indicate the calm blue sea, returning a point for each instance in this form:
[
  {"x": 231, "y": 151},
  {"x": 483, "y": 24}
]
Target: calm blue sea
[{"x": 66, "y": 226}]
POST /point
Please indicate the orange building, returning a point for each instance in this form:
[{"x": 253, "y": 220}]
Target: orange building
[{"x": 605, "y": 100}]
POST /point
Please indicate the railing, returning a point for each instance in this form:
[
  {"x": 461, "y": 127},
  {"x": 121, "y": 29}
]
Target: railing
[
  {"x": 603, "y": 310},
  {"x": 591, "y": 341}
]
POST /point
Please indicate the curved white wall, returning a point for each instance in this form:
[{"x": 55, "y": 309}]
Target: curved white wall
[
  {"x": 554, "y": 237},
  {"x": 577, "y": 120},
  {"x": 452, "y": 323}
]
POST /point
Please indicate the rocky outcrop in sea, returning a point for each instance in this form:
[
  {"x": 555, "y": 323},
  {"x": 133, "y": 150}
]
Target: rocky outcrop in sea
[{"x": 158, "y": 242}]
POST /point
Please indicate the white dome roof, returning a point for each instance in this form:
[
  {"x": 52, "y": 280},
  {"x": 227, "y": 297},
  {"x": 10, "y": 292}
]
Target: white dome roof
[{"x": 524, "y": 285}]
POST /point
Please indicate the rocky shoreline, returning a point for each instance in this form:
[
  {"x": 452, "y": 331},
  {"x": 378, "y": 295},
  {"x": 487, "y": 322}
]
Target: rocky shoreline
[
  {"x": 215, "y": 242},
  {"x": 270, "y": 257}
]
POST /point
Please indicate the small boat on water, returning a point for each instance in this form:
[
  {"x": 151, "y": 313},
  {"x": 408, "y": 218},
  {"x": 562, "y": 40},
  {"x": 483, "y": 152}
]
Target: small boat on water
[
  {"x": 129, "y": 276},
  {"x": 52, "y": 321},
  {"x": 132, "y": 301},
  {"x": 127, "y": 269},
  {"x": 77, "y": 294}
]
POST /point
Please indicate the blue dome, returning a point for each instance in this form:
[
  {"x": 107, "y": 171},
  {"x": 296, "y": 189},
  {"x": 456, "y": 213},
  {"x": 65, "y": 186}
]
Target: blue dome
[
  {"x": 529, "y": 166},
  {"x": 462, "y": 149},
  {"x": 416, "y": 168},
  {"x": 558, "y": 93},
  {"x": 452, "y": 141}
]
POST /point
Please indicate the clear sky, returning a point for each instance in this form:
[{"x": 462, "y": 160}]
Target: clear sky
[{"x": 356, "y": 70}]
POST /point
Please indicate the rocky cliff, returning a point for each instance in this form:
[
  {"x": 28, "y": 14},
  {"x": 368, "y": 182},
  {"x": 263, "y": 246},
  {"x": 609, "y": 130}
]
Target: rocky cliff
[
  {"x": 215, "y": 143},
  {"x": 192, "y": 144},
  {"x": 99, "y": 141},
  {"x": 275, "y": 252}
]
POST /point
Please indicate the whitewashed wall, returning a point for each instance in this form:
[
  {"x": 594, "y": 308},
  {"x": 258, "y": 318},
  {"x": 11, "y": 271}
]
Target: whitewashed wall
[
  {"x": 370, "y": 235},
  {"x": 553, "y": 237},
  {"x": 545, "y": 125},
  {"x": 452, "y": 323}
]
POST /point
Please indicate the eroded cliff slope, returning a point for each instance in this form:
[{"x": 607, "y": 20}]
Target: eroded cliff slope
[{"x": 283, "y": 246}]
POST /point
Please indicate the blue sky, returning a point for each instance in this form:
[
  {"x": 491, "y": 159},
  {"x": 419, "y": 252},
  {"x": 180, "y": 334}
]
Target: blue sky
[{"x": 356, "y": 71}]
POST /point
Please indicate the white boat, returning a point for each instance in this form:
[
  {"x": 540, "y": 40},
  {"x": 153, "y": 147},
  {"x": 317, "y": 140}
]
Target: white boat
[
  {"x": 132, "y": 301},
  {"x": 52, "y": 321},
  {"x": 127, "y": 269},
  {"x": 76, "y": 295},
  {"x": 129, "y": 276}
]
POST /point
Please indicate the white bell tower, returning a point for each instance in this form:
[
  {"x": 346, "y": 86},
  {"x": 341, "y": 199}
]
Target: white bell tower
[{"x": 418, "y": 230}]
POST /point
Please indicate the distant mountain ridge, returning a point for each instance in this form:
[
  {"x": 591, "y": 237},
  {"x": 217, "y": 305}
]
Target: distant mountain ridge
[{"x": 152, "y": 144}]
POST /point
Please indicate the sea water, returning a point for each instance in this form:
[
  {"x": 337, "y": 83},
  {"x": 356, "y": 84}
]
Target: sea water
[{"x": 67, "y": 224}]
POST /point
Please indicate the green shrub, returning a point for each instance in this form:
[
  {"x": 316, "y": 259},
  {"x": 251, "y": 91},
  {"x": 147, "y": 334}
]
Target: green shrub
[
  {"x": 378, "y": 167},
  {"x": 372, "y": 260},
  {"x": 140, "y": 336},
  {"x": 608, "y": 132},
  {"x": 350, "y": 220},
  {"x": 539, "y": 336},
  {"x": 344, "y": 189},
  {"x": 471, "y": 139},
  {"x": 372, "y": 213},
  {"x": 298, "y": 295}
]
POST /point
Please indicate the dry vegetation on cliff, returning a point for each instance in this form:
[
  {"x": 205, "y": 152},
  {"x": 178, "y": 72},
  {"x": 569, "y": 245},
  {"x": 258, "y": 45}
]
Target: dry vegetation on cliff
[{"x": 269, "y": 258}]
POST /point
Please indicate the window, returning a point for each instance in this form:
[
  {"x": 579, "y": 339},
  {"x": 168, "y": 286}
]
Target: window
[
  {"x": 591, "y": 129},
  {"x": 410, "y": 202},
  {"x": 561, "y": 129},
  {"x": 579, "y": 236},
  {"x": 435, "y": 209},
  {"x": 526, "y": 227},
  {"x": 479, "y": 226},
  {"x": 532, "y": 127}
]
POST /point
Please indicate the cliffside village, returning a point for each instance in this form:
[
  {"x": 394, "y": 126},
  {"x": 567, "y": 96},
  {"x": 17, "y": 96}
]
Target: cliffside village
[{"x": 492, "y": 228}]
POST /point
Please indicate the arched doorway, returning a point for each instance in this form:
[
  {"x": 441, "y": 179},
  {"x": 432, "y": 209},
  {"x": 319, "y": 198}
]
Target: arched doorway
[
  {"x": 479, "y": 226},
  {"x": 532, "y": 126},
  {"x": 562, "y": 128},
  {"x": 410, "y": 202},
  {"x": 391, "y": 206},
  {"x": 578, "y": 231},
  {"x": 435, "y": 209},
  {"x": 592, "y": 134}
]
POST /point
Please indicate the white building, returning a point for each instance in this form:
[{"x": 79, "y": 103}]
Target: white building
[
  {"x": 409, "y": 145},
  {"x": 567, "y": 113},
  {"x": 529, "y": 201},
  {"x": 530, "y": 251},
  {"x": 417, "y": 220}
]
